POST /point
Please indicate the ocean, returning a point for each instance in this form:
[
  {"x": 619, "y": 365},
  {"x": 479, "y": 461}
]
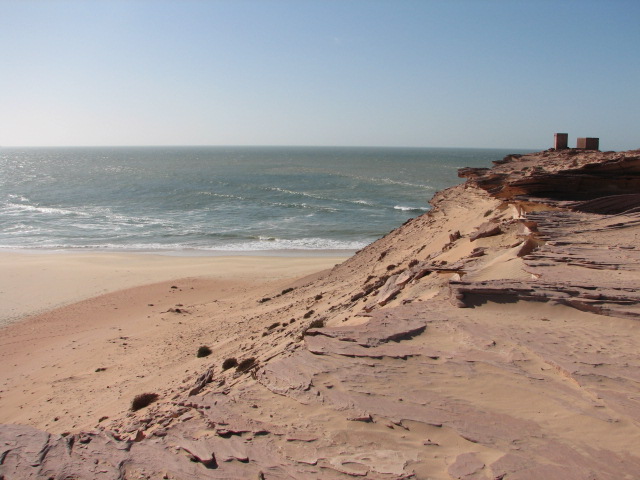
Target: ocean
[{"x": 218, "y": 200}]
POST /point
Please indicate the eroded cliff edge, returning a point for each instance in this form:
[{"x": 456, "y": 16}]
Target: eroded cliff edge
[{"x": 494, "y": 337}]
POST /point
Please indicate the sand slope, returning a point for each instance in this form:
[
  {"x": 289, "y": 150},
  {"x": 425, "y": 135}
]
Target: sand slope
[{"x": 494, "y": 337}]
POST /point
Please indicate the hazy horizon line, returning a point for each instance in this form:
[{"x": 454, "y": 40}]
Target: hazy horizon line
[{"x": 266, "y": 146}]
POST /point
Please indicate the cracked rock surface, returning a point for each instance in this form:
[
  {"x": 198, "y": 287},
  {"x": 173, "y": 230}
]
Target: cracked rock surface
[{"x": 495, "y": 337}]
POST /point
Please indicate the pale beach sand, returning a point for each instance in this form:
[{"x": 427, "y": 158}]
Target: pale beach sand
[
  {"x": 471, "y": 342},
  {"x": 34, "y": 282},
  {"x": 110, "y": 310}
]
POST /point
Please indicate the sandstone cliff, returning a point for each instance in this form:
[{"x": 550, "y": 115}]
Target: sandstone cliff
[{"x": 494, "y": 337}]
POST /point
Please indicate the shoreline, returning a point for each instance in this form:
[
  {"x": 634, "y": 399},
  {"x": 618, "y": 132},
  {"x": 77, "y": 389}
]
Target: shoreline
[
  {"x": 187, "y": 252},
  {"x": 34, "y": 282},
  {"x": 495, "y": 336}
]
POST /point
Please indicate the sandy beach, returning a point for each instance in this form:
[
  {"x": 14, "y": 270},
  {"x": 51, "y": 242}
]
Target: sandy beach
[
  {"x": 319, "y": 240},
  {"x": 494, "y": 337},
  {"x": 68, "y": 314},
  {"x": 34, "y": 282}
]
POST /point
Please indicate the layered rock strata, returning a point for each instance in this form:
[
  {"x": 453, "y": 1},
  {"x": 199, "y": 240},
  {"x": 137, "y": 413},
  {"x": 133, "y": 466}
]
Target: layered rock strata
[{"x": 494, "y": 337}]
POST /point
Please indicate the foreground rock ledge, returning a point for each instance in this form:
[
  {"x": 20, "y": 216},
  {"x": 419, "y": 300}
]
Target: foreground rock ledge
[{"x": 494, "y": 337}]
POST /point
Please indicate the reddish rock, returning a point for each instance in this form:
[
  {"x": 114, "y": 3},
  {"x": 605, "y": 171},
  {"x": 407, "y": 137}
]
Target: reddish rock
[
  {"x": 480, "y": 387},
  {"x": 466, "y": 466},
  {"x": 487, "y": 229}
]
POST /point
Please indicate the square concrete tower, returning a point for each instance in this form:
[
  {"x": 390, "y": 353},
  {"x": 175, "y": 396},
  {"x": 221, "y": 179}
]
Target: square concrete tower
[
  {"x": 560, "y": 140},
  {"x": 588, "y": 143}
]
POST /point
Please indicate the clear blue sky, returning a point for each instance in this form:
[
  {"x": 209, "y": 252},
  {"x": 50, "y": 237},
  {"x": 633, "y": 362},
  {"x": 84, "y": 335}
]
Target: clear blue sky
[{"x": 301, "y": 72}]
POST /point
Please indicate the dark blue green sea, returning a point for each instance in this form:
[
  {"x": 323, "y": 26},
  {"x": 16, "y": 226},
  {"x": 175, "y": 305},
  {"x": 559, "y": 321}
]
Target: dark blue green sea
[{"x": 208, "y": 200}]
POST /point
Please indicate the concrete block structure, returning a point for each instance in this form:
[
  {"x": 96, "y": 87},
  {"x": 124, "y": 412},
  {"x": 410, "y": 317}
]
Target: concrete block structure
[
  {"x": 560, "y": 141},
  {"x": 588, "y": 143}
]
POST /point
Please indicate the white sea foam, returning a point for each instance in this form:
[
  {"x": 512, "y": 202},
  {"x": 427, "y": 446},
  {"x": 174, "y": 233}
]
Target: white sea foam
[
  {"x": 224, "y": 199},
  {"x": 390, "y": 181},
  {"x": 21, "y": 208},
  {"x": 410, "y": 209},
  {"x": 221, "y": 195},
  {"x": 271, "y": 243},
  {"x": 403, "y": 183},
  {"x": 259, "y": 245},
  {"x": 19, "y": 198}
]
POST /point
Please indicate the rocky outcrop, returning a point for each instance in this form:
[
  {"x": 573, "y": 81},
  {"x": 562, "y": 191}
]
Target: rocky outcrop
[
  {"x": 372, "y": 370},
  {"x": 487, "y": 229},
  {"x": 589, "y": 261},
  {"x": 560, "y": 175}
]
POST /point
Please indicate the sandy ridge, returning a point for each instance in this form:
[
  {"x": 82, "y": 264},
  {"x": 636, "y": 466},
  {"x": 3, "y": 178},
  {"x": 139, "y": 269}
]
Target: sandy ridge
[{"x": 383, "y": 366}]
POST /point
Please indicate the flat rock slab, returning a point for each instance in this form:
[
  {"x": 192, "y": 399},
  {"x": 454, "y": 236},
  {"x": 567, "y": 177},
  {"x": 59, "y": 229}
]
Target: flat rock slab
[
  {"x": 467, "y": 466},
  {"x": 321, "y": 345},
  {"x": 487, "y": 229},
  {"x": 377, "y": 331},
  {"x": 293, "y": 375},
  {"x": 579, "y": 262},
  {"x": 28, "y": 453}
]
